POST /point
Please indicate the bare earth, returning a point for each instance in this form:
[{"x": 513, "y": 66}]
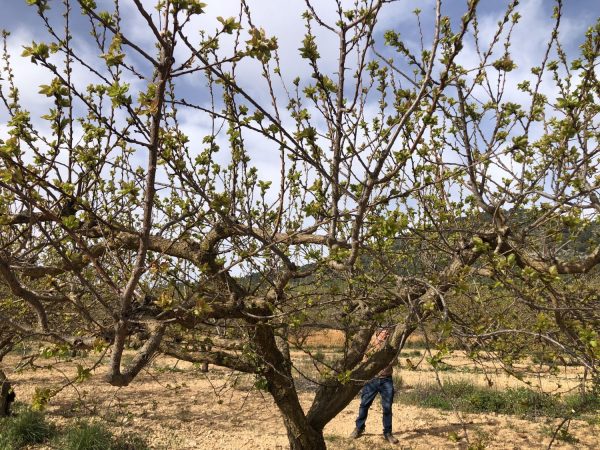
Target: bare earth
[{"x": 176, "y": 407}]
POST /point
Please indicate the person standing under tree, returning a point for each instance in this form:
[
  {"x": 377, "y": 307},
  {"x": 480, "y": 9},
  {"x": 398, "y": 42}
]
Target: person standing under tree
[{"x": 382, "y": 384}]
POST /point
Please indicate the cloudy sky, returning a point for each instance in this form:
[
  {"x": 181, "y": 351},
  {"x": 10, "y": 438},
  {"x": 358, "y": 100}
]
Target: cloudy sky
[{"x": 282, "y": 18}]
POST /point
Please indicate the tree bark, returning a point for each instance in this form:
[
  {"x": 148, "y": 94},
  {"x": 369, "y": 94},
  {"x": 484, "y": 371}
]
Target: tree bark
[
  {"x": 301, "y": 434},
  {"x": 310, "y": 439},
  {"x": 7, "y": 396}
]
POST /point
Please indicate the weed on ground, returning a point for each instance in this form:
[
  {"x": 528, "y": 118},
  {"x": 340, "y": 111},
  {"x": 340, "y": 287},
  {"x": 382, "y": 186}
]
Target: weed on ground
[{"x": 468, "y": 397}]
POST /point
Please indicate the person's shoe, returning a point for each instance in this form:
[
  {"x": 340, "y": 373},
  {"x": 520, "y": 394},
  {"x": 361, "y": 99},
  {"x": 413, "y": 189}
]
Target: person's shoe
[
  {"x": 390, "y": 438},
  {"x": 356, "y": 433}
]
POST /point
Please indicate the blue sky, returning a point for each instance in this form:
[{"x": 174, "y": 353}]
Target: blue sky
[{"x": 282, "y": 19}]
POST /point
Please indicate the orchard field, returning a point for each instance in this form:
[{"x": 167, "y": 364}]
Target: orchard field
[{"x": 173, "y": 405}]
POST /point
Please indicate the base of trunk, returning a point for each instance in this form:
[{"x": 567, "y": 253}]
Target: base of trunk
[{"x": 310, "y": 439}]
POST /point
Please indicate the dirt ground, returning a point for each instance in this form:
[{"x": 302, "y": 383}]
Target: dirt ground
[{"x": 174, "y": 406}]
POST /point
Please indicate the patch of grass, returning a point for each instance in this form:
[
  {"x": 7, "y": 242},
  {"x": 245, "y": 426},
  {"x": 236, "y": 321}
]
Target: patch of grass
[
  {"x": 563, "y": 434},
  {"x": 467, "y": 397},
  {"x": 24, "y": 428},
  {"x": 587, "y": 402},
  {"x": 96, "y": 436},
  {"x": 86, "y": 436},
  {"x": 566, "y": 436}
]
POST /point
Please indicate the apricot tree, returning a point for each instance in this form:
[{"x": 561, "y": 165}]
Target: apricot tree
[{"x": 184, "y": 193}]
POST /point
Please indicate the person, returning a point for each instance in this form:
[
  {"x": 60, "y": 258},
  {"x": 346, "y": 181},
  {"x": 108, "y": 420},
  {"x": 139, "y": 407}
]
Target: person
[{"x": 382, "y": 384}]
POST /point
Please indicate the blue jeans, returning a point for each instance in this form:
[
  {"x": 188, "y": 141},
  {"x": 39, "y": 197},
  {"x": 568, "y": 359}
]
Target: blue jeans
[{"x": 385, "y": 387}]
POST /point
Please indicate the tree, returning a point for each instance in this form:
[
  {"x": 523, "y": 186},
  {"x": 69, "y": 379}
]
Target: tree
[{"x": 121, "y": 226}]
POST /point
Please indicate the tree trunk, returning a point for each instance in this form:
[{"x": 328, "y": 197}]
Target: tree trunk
[
  {"x": 282, "y": 343},
  {"x": 301, "y": 434},
  {"x": 309, "y": 439},
  {"x": 7, "y": 396}
]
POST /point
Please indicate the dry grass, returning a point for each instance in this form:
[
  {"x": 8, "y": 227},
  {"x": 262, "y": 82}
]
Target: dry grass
[
  {"x": 187, "y": 410},
  {"x": 175, "y": 407},
  {"x": 325, "y": 339},
  {"x": 335, "y": 339}
]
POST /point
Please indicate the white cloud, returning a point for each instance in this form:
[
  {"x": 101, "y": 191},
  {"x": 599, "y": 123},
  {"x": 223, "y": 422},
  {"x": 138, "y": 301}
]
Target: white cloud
[{"x": 283, "y": 20}]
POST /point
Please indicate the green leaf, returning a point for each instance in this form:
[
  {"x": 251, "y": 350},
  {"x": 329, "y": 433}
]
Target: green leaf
[
  {"x": 259, "y": 46},
  {"x": 229, "y": 24},
  {"x": 70, "y": 222},
  {"x": 504, "y": 64},
  {"x": 38, "y": 52},
  {"x": 192, "y": 7},
  {"x": 118, "y": 94},
  {"x": 88, "y": 4},
  {"x": 309, "y": 48},
  {"x": 41, "y": 4}
]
